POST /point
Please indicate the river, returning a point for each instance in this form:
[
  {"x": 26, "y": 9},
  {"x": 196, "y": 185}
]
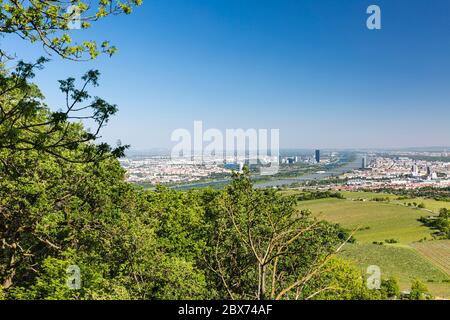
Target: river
[{"x": 355, "y": 164}]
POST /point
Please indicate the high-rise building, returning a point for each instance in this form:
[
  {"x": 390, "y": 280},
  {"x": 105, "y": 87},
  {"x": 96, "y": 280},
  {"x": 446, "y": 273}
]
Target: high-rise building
[
  {"x": 364, "y": 162},
  {"x": 317, "y": 156},
  {"x": 414, "y": 170}
]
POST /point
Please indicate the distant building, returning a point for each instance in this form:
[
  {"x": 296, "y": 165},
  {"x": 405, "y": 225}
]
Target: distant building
[
  {"x": 234, "y": 166},
  {"x": 317, "y": 156},
  {"x": 364, "y": 162},
  {"x": 414, "y": 170}
]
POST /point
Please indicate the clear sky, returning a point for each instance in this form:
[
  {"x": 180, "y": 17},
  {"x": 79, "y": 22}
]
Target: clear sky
[{"x": 309, "y": 68}]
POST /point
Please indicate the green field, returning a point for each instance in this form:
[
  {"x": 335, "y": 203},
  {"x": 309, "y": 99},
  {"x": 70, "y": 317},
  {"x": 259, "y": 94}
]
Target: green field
[
  {"x": 438, "y": 252},
  {"x": 410, "y": 257},
  {"x": 376, "y": 221},
  {"x": 402, "y": 262},
  {"x": 430, "y": 204}
]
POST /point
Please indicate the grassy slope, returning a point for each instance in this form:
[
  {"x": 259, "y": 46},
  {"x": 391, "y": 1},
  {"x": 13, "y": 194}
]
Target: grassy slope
[
  {"x": 430, "y": 204},
  {"x": 402, "y": 262},
  {"x": 385, "y": 221},
  {"x": 390, "y": 220},
  {"x": 437, "y": 252}
]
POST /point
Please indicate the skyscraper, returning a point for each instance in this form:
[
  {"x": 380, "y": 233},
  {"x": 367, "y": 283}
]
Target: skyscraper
[
  {"x": 364, "y": 162},
  {"x": 317, "y": 156},
  {"x": 414, "y": 170}
]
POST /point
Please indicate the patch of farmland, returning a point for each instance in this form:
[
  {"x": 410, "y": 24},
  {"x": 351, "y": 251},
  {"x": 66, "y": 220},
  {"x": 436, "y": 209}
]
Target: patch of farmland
[
  {"x": 402, "y": 262},
  {"x": 377, "y": 221},
  {"x": 430, "y": 204},
  {"x": 438, "y": 252}
]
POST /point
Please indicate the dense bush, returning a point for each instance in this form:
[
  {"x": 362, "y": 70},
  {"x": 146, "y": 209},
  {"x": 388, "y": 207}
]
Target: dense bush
[
  {"x": 313, "y": 195},
  {"x": 441, "y": 223}
]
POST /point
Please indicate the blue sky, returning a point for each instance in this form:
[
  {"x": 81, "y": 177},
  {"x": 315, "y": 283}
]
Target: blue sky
[{"x": 309, "y": 68}]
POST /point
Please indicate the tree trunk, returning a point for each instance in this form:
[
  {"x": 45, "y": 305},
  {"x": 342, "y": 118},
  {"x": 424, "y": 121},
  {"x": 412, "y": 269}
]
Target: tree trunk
[{"x": 262, "y": 282}]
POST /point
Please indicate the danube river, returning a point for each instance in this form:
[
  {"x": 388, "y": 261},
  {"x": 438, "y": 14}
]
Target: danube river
[
  {"x": 355, "y": 164},
  {"x": 347, "y": 167}
]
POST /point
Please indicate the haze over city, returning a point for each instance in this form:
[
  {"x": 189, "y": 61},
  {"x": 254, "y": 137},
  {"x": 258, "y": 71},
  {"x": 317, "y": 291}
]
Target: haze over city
[{"x": 311, "y": 69}]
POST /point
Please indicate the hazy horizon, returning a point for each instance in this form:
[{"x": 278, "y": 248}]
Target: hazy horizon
[{"x": 311, "y": 69}]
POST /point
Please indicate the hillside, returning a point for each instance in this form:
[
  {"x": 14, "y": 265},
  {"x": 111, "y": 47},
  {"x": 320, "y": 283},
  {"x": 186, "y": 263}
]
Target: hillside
[{"x": 413, "y": 255}]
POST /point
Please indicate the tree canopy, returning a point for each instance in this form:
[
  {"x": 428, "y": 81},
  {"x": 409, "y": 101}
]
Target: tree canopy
[
  {"x": 26, "y": 123},
  {"x": 48, "y": 23}
]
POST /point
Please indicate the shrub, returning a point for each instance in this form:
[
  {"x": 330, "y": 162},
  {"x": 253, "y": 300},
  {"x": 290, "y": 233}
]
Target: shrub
[
  {"x": 419, "y": 291},
  {"x": 390, "y": 288}
]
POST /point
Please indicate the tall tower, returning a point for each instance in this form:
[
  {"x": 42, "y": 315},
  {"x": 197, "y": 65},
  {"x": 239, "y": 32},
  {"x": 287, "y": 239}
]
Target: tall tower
[
  {"x": 317, "y": 156},
  {"x": 414, "y": 170},
  {"x": 364, "y": 162}
]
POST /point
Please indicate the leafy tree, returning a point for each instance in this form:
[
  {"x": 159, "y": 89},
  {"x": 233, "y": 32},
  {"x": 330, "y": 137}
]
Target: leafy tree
[
  {"x": 444, "y": 213},
  {"x": 419, "y": 291},
  {"x": 441, "y": 223},
  {"x": 47, "y": 22},
  {"x": 340, "y": 280},
  {"x": 262, "y": 248},
  {"x": 390, "y": 288},
  {"x": 128, "y": 243},
  {"x": 60, "y": 213},
  {"x": 26, "y": 123}
]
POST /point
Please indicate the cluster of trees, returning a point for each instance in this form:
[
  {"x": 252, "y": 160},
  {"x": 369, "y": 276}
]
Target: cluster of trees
[
  {"x": 313, "y": 195},
  {"x": 322, "y": 182},
  {"x": 64, "y": 201},
  {"x": 438, "y": 194},
  {"x": 441, "y": 223}
]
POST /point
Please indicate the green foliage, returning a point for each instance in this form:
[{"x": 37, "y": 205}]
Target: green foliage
[
  {"x": 312, "y": 195},
  {"x": 340, "y": 281},
  {"x": 444, "y": 213},
  {"x": 390, "y": 288},
  {"x": 262, "y": 247},
  {"x": 419, "y": 291},
  {"x": 27, "y": 124},
  {"x": 55, "y": 200},
  {"x": 381, "y": 199},
  {"x": 438, "y": 194},
  {"x": 440, "y": 223},
  {"x": 48, "y": 23}
]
